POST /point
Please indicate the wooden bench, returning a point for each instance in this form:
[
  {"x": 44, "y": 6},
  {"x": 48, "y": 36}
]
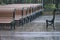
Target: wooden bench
[
  {"x": 18, "y": 16},
  {"x": 23, "y": 11},
  {"x": 7, "y": 16},
  {"x": 29, "y": 12}
]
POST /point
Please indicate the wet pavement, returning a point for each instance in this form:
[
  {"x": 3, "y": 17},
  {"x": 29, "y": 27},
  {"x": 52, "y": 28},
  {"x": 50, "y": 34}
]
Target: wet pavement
[
  {"x": 39, "y": 25},
  {"x": 35, "y": 30}
]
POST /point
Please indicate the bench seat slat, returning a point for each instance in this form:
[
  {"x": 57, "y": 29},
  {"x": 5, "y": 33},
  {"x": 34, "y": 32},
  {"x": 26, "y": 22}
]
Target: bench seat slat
[
  {"x": 18, "y": 17},
  {"x": 6, "y": 20}
]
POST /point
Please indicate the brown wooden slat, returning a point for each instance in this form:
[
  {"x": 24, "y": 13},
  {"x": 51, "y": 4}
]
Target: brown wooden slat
[
  {"x": 18, "y": 14},
  {"x": 5, "y": 20},
  {"x": 6, "y": 15},
  {"x": 18, "y": 17}
]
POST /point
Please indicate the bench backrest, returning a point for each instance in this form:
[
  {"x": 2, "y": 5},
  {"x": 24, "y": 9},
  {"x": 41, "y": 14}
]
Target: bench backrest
[
  {"x": 18, "y": 12},
  {"x": 7, "y": 12},
  {"x": 24, "y": 11},
  {"x": 30, "y": 10}
]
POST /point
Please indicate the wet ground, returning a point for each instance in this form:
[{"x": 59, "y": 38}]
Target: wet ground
[
  {"x": 35, "y": 30},
  {"x": 39, "y": 25}
]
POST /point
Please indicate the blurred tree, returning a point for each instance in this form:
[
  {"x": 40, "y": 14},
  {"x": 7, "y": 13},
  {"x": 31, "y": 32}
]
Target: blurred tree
[
  {"x": 19, "y": 1},
  {"x": 56, "y": 2}
]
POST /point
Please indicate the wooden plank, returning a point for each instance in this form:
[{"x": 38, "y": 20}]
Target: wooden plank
[{"x": 6, "y": 15}]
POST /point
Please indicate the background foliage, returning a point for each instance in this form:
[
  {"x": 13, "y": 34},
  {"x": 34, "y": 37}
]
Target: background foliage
[{"x": 48, "y": 4}]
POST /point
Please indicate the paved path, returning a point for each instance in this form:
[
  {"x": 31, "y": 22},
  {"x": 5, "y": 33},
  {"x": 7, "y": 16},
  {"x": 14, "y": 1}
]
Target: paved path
[
  {"x": 42, "y": 19},
  {"x": 39, "y": 25},
  {"x": 35, "y": 30},
  {"x": 32, "y": 36}
]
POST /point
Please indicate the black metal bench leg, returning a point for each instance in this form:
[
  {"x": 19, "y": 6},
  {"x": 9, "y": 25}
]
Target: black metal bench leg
[
  {"x": 22, "y": 22},
  {"x": 26, "y": 20},
  {"x": 53, "y": 26},
  {"x": 46, "y": 24},
  {"x": 14, "y": 25},
  {"x": 11, "y": 25}
]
